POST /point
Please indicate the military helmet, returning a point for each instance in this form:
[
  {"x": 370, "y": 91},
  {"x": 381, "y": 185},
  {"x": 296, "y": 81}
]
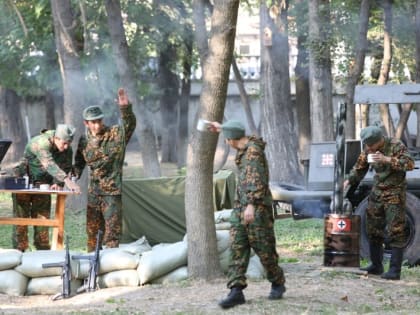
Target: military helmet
[
  {"x": 233, "y": 129},
  {"x": 65, "y": 132},
  {"x": 93, "y": 113},
  {"x": 371, "y": 135}
]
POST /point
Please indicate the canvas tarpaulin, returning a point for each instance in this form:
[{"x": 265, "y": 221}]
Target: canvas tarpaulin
[{"x": 155, "y": 207}]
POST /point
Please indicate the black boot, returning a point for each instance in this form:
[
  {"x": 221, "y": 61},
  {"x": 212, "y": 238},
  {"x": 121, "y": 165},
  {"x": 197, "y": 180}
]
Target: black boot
[
  {"x": 394, "y": 271},
  {"x": 235, "y": 297},
  {"x": 376, "y": 256},
  {"x": 277, "y": 291}
]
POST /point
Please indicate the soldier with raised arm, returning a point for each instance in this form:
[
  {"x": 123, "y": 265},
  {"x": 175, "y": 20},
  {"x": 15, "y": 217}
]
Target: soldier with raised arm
[{"x": 102, "y": 149}]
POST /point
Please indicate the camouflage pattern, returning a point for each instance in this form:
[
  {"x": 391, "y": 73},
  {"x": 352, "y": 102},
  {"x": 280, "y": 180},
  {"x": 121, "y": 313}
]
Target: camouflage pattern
[
  {"x": 253, "y": 189},
  {"x": 104, "y": 213},
  {"x": 104, "y": 155},
  {"x": 44, "y": 164},
  {"x": 386, "y": 205},
  {"x": 31, "y": 206}
]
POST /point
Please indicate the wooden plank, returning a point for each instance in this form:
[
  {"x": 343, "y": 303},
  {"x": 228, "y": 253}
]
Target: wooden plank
[
  {"x": 29, "y": 221},
  {"x": 387, "y": 94}
]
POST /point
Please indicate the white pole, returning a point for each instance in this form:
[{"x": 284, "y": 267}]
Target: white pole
[{"x": 28, "y": 132}]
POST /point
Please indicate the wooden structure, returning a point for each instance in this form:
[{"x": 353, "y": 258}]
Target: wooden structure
[{"x": 57, "y": 223}]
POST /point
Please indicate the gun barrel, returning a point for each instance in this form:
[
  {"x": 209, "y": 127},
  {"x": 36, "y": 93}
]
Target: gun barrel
[
  {"x": 52, "y": 265},
  {"x": 89, "y": 257}
]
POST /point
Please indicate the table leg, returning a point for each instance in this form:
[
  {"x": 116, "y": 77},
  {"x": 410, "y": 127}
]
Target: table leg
[{"x": 58, "y": 232}]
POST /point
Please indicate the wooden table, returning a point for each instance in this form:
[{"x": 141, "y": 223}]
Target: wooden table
[{"x": 57, "y": 223}]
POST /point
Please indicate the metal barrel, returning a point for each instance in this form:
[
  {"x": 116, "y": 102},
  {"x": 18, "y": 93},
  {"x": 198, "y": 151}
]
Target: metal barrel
[{"x": 341, "y": 240}]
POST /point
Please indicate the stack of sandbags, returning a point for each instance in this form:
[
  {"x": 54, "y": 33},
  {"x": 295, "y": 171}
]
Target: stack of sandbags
[
  {"x": 222, "y": 220},
  {"x": 117, "y": 266},
  {"x": 161, "y": 263},
  {"x": 23, "y": 273},
  {"x": 46, "y": 280},
  {"x": 12, "y": 282}
]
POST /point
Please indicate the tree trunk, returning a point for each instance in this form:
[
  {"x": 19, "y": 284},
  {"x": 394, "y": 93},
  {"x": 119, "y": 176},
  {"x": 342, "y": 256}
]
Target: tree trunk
[
  {"x": 144, "y": 130},
  {"x": 356, "y": 68},
  {"x": 303, "y": 108},
  {"x": 182, "y": 139},
  {"x": 402, "y": 122},
  {"x": 386, "y": 65},
  {"x": 320, "y": 72},
  {"x": 168, "y": 86},
  {"x": 244, "y": 98},
  {"x": 418, "y": 67},
  {"x": 12, "y": 126},
  {"x": 278, "y": 125},
  {"x": 72, "y": 77},
  {"x": 203, "y": 260}
]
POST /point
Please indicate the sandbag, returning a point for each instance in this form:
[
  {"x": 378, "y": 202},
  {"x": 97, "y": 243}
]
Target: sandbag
[
  {"x": 224, "y": 259},
  {"x": 222, "y": 216},
  {"x": 255, "y": 269},
  {"x": 162, "y": 259},
  {"x": 9, "y": 258},
  {"x": 50, "y": 286},
  {"x": 223, "y": 240},
  {"x": 12, "y": 282},
  {"x": 138, "y": 247},
  {"x": 223, "y": 226},
  {"x": 110, "y": 259},
  {"x": 176, "y": 275},
  {"x": 119, "y": 278},
  {"x": 31, "y": 265}
]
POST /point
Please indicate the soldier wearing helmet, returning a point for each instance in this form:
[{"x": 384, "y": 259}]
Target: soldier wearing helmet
[
  {"x": 102, "y": 149},
  {"x": 47, "y": 160}
]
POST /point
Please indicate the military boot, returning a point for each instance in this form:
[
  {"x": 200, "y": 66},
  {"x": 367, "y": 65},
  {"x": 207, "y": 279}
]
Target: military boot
[
  {"x": 235, "y": 297},
  {"x": 394, "y": 271},
  {"x": 376, "y": 256},
  {"x": 277, "y": 291}
]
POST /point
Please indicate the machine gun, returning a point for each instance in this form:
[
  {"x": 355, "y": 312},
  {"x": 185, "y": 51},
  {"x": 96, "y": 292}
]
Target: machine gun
[
  {"x": 89, "y": 284},
  {"x": 65, "y": 274}
]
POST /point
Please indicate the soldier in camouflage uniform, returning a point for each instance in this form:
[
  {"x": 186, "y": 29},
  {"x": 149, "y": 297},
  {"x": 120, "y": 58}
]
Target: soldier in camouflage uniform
[
  {"x": 252, "y": 218},
  {"x": 102, "y": 149},
  {"x": 386, "y": 205},
  {"x": 47, "y": 160}
]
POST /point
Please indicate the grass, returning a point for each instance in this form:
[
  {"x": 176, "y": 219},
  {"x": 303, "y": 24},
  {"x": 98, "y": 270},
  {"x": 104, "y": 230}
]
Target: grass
[{"x": 304, "y": 236}]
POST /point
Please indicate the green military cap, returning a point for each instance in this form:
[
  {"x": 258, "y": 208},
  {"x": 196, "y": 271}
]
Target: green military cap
[
  {"x": 233, "y": 129},
  {"x": 65, "y": 132},
  {"x": 93, "y": 113},
  {"x": 371, "y": 135}
]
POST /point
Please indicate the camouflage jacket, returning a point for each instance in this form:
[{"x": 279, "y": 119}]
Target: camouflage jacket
[
  {"x": 388, "y": 176},
  {"x": 43, "y": 162},
  {"x": 104, "y": 154},
  {"x": 253, "y": 177}
]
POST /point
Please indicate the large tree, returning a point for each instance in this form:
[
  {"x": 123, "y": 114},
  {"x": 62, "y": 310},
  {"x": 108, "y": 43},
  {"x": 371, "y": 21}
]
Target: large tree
[
  {"x": 203, "y": 260},
  {"x": 356, "y": 67},
  {"x": 68, "y": 50},
  {"x": 144, "y": 130},
  {"x": 279, "y": 129},
  {"x": 320, "y": 71}
]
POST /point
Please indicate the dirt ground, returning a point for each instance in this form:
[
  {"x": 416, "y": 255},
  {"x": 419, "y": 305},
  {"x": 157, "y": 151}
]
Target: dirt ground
[{"x": 311, "y": 289}]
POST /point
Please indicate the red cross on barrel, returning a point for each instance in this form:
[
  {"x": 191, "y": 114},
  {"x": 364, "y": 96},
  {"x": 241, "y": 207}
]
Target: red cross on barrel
[{"x": 341, "y": 225}]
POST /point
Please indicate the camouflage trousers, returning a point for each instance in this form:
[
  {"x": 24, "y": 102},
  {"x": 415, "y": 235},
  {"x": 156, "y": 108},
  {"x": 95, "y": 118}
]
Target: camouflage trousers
[
  {"x": 31, "y": 206},
  {"x": 259, "y": 236},
  {"x": 385, "y": 215},
  {"x": 104, "y": 212}
]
